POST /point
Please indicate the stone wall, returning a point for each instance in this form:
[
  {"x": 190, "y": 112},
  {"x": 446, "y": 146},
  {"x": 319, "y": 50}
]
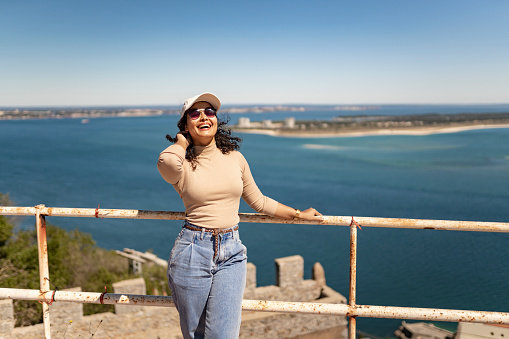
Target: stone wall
[
  {"x": 67, "y": 318},
  {"x": 291, "y": 286},
  {"x": 6, "y": 317}
]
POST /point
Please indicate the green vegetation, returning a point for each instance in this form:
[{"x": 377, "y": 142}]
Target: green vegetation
[{"x": 74, "y": 260}]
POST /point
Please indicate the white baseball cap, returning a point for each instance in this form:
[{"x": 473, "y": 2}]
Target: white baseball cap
[{"x": 207, "y": 97}]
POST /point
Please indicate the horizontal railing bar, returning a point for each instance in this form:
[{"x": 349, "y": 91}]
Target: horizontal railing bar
[
  {"x": 365, "y": 311},
  {"x": 387, "y": 312},
  {"x": 452, "y": 225},
  {"x": 93, "y": 213},
  {"x": 86, "y": 297}
]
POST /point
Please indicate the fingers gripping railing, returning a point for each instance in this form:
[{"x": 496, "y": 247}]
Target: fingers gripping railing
[{"x": 352, "y": 310}]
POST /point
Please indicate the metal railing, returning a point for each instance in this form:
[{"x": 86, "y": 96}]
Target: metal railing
[{"x": 352, "y": 310}]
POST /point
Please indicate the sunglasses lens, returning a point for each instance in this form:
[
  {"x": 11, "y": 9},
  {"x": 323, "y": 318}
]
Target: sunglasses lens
[
  {"x": 193, "y": 113},
  {"x": 210, "y": 112}
]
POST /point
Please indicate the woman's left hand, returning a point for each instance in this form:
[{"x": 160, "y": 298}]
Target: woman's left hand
[
  {"x": 286, "y": 212},
  {"x": 311, "y": 214}
]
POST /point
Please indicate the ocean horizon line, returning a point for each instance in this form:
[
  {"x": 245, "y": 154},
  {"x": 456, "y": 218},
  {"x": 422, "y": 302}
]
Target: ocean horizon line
[{"x": 235, "y": 105}]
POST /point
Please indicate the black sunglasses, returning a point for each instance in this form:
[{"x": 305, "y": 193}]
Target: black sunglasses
[{"x": 194, "y": 113}]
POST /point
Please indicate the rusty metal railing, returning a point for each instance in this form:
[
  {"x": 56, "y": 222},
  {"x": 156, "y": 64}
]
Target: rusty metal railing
[{"x": 351, "y": 310}]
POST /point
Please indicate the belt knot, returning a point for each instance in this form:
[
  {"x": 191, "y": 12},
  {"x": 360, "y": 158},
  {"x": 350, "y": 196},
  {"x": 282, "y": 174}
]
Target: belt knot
[{"x": 215, "y": 233}]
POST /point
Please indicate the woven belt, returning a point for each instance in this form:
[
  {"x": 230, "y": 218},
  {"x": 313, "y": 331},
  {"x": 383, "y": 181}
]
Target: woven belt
[{"x": 215, "y": 233}]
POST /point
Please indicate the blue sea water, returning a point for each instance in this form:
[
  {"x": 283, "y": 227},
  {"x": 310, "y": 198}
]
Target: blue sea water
[{"x": 459, "y": 176}]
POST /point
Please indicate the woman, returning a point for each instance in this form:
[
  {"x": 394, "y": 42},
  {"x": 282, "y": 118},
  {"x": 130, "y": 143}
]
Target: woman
[{"x": 207, "y": 265}]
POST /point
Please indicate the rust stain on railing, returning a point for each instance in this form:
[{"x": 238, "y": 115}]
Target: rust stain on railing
[
  {"x": 353, "y": 277},
  {"x": 42, "y": 244}
]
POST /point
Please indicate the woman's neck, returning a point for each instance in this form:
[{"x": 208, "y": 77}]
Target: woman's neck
[
  {"x": 205, "y": 142},
  {"x": 205, "y": 151}
]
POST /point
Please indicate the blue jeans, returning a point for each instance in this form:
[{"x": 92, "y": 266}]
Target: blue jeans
[{"x": 208, "y": 290}]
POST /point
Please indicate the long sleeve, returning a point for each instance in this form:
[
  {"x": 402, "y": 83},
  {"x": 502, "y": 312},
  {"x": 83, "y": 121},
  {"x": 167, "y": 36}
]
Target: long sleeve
[{"x": 170, "y": 163}]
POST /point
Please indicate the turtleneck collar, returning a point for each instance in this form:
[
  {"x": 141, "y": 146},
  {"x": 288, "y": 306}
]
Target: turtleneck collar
[{"x": 205, "y": 151}]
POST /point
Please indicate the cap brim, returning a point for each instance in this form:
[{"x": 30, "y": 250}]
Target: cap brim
[{"x": 207, "y": 97}]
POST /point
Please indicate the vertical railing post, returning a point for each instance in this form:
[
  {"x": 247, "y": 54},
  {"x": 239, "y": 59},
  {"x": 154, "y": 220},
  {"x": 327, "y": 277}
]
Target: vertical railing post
[
  {"x": 42, "y": 245},
  {"x": 353, "y": 278}
]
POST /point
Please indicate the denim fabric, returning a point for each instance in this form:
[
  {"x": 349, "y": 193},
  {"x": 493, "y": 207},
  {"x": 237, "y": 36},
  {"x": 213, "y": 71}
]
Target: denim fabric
[{"x": 208, "y": 292}]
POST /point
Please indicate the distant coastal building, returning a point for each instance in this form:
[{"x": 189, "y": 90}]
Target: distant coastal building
[
  {"x": 289, "y": 122},
  {"x": 244, "y": 122},
  {"x": 267, "y": 124}
]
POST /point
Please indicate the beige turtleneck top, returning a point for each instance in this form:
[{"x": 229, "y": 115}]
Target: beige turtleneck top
[{"x": 211, "y": 192}]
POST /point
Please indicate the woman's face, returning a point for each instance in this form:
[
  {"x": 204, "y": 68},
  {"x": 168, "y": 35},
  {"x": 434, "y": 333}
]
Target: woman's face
[{"x": 203, "y": 129}]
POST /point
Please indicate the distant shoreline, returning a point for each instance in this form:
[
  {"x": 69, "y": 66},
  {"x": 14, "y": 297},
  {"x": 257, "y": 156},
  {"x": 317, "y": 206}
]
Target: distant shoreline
[
  {"x": 338, "y": 126},
  {"x": 415, "y": 131},
  {"x": 370, "y": 125},
  {"x": 91, "y": 112}
]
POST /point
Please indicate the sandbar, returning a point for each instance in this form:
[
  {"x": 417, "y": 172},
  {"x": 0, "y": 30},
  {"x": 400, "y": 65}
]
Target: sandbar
[{"x": 415, "y": 130}]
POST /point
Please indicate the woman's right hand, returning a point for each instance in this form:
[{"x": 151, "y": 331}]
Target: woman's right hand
[{"x": 183, "y": 139}]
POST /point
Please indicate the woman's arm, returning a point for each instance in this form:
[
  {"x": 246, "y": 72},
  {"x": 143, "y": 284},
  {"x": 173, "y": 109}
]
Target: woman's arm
[
  {"x": 286, "y": 212},
  {"x": 182, "y": 139},
  {"x": 262, "y": 204},
  {"x": 171, "y": 160}
]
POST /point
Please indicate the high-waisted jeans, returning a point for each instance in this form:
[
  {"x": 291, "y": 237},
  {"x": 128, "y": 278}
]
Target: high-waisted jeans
[{"x": 208, "y": 290}]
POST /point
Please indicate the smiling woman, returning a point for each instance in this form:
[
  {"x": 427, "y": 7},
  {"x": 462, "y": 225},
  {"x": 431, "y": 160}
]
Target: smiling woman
[
  {"x": 201, "y": 123},
  {"x": 203, "y": 129},
  {"x": 207, "y": 265}
]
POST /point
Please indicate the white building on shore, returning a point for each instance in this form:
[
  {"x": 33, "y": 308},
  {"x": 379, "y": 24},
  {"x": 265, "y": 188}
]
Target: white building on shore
[
  {"x": 244, "y": 122},
  {"x": 289, "y": 122}
]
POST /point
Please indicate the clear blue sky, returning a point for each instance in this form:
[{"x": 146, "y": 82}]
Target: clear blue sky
[{"x": 101, "y": 52}]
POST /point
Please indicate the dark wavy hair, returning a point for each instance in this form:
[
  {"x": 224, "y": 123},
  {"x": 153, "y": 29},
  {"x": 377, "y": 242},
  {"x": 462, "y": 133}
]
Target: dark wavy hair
[{"x": 225, "y": 141}]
